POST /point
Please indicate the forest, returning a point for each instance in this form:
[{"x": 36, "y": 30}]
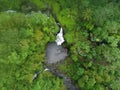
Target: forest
[{"x": 92, "y": 37}]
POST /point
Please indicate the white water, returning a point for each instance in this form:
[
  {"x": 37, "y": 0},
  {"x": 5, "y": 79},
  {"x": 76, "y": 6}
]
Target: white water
[{"x": 59, "y": 37}]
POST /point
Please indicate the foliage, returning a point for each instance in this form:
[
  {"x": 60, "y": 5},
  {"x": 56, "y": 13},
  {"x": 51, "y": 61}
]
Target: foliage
[
  {"x": 22, "y": 50},
  {"x": 92, "y": 34},
  {"x": 51, "y": 83}
]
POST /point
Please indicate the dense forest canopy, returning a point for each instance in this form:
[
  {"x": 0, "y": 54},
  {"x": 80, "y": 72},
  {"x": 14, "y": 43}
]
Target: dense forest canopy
[{"x": 92, "y": 34}]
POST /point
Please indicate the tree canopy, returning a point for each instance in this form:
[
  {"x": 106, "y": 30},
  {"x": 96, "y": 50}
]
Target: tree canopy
[{"x": 92, "y": 34}]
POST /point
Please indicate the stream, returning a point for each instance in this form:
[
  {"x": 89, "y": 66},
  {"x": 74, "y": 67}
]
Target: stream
[
  {"x": 67, "y": 80},
  {"x": 54, "y": 55}
]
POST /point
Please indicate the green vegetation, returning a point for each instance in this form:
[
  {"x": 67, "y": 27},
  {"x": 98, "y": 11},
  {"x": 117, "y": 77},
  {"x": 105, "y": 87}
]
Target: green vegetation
[
  {"x": 92, "y": 34},
  {"x": 22, "y": 51}
]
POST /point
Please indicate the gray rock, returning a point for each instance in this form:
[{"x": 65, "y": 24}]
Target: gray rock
[{"x": 55, "y": 53}]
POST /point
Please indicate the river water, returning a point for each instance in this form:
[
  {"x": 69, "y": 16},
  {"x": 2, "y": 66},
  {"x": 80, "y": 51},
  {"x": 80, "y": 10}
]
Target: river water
[{"x": 55, "y": 54}]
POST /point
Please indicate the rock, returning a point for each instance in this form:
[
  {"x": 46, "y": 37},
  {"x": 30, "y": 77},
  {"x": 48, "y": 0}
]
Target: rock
[{"x": 10, "y": 11}]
